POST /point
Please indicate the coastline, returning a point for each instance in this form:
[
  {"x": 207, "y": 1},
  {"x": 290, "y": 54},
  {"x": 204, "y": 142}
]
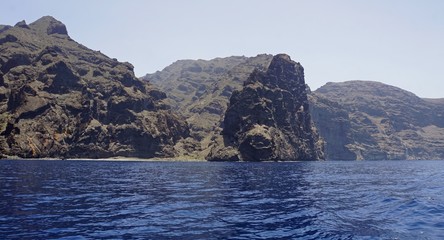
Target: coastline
[{"x": 112, "y": 159}]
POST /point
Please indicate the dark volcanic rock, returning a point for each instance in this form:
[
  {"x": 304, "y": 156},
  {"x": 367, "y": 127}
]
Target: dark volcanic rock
[
  {"x": 371, "y": 120},
  {"x": 49, "y": 25},
  {"x": 201, "y": 89},
  {"x": 269, "y": 119},
  {"x": 22, "y": 24},
  {"x": 357, "y": 119},
  {"x": 4, "y": 28},
  {"x": 61, "y": 99}
]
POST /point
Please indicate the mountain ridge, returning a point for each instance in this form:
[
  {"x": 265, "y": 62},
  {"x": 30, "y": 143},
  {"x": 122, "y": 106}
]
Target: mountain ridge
[
  {"x": 378, "y": 121},
  {"x": 60, "y": 99},
  {"x": 201, "y": 96},
  {"x": 347, "y": 123},
  {"x": 268, "y": 119}
]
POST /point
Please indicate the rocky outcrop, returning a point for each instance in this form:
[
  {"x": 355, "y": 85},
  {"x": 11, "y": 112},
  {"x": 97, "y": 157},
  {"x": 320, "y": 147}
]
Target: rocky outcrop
[
  {"x": 22, "y": 24},
  {"x": 269, "y": 118},
  {"x": 357, "y": 119},
  {"x": 60, "y": 99},
  {"x": 49, "y": 25},
  {"x": 371, "y": 120},
  {"x": 200, "y": 90}
]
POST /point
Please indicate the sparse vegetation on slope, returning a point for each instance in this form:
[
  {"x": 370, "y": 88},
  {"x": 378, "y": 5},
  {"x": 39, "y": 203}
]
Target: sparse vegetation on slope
[{"x": 61, "y": 99}]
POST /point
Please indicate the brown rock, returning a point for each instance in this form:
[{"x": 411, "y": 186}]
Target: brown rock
[
  {"x": 54, "y": 105},
  {"x": 269, "y": 119},
  {"x": 200, "y": 90},
  {"x": 372, "y": 120}
]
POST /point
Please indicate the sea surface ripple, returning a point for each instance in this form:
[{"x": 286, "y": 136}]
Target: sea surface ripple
[{"x": 203, "y": 200}]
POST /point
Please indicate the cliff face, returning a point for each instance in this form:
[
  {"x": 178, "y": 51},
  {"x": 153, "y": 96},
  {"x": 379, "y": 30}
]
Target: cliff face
[
  {"x": 61, "y": 99},
  {"x": 371, "y": 120},
  {"x": 357, "y": 119},
  {"x": 269, "y": 119},
  {"x": 200, "y": 90}
]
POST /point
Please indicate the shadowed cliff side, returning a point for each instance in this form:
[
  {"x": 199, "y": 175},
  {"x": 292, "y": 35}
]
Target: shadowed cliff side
[
  {"x": 60, "y": 99},
  {"x": 269, "y": 118},
  {"x": 200, "y": 90},
  {"x": 372, "y": 120},
  {"x": 357, "y": 119}
]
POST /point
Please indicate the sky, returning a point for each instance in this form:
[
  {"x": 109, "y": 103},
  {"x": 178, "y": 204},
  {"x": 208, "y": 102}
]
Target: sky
[{"x": 397, "y": 42}]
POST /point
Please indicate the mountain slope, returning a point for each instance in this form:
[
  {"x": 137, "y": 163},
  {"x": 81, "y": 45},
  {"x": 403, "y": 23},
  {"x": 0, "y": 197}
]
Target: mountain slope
[
  {"x": 61, "y": 99},
  {"x": 269, "y": 118},
  {"x": 357, "y": 119},
  {"x": 200, "y": 90},
  {"x": 372, "y": 120}
]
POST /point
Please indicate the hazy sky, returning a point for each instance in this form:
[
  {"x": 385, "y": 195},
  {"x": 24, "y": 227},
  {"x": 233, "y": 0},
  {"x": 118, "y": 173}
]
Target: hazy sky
[{"x": 398, "y": 42}]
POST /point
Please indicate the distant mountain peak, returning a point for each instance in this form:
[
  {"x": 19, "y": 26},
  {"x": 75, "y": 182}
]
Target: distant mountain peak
[
  {"x": 282, "y": 72},
  {"x": 281, "y": 60},
  {"x": 283, "y": 56},
  {"x": 49, "y": 25},
  {"x": 22, "y": 24}
]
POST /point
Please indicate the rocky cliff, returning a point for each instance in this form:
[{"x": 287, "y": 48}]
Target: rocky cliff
[
  {"x": 357, "y": 119},
  {"x": 371, "y": 120},
  {"x": 200, "y": 90},
  {"x": 61, "y": 99},
  {"x": 269, "y": 118}
]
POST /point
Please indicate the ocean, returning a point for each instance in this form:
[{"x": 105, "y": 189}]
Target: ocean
[{"x": 209, "y": 200}]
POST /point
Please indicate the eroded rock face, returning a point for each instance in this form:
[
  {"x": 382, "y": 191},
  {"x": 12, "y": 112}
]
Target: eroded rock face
[
  {"x": 269, "y": 119},
  {"x": 201, "y": 90},
  {"x": 371, "y": 120},
  {"x": 60, "y": 99},
  {"x": 356, "y": 119}
]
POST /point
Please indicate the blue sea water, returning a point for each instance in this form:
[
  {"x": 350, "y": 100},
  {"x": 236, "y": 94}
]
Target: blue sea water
[{"x": 203, "y": 200}]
